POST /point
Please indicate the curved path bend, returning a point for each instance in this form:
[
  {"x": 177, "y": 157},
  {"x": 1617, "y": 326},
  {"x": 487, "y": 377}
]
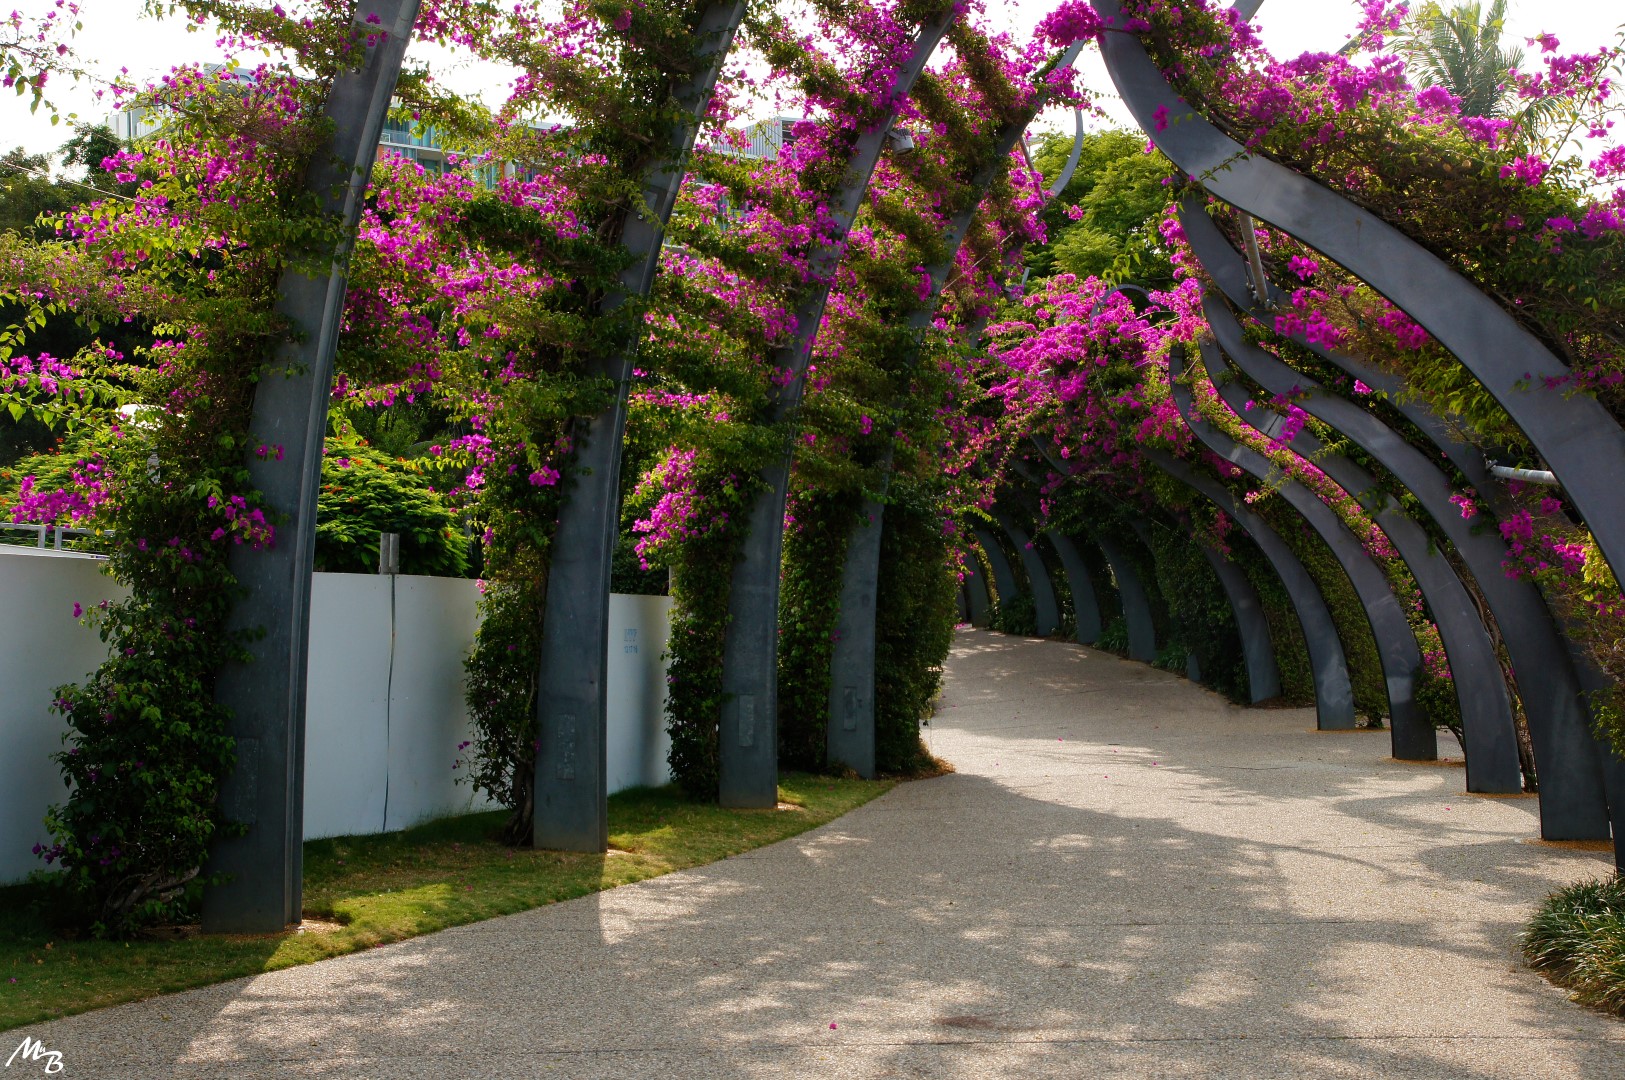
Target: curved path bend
[{"x": 1126, "y": 877}]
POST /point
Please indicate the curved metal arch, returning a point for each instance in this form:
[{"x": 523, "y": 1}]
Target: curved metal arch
[
  {"x": 572, "y": 702},
  {"x": 852, "y": 660},
  {"x": 1334, "y": 693},
  {"x": 1046, "y": 613},
  {"x": 1572, "y": 800},
  {"x": 262, "y": 868},
  {"x": 1581, "y": 443},
  {"x": 1257, "y": 652},
  {"x": 1142, "y": 628},
  {"x": 1085, "y": 604},
  {"x": 978, "y": 599},
  {"x": 1481, "y": 692},
  {"x": 747, "y": 731},
  {"x": 1263, "y": 674},
  {"x": 1396, "y": 644},
  {"x": 1004, "y": 575}
]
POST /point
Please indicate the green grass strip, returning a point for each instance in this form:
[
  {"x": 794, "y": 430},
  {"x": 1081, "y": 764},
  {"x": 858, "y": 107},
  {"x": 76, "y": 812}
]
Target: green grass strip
[
  {"x": 378, "y": 889},
  {"x": 1578, "y": 940}
]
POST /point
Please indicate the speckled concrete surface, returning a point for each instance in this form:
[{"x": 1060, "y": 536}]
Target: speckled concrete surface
[{"x": 1127, "y": 877}]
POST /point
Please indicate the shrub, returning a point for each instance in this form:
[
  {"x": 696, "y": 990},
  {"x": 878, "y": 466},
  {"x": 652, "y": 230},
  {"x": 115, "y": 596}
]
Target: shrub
[
  {"x": 809, "y": 609},
  {"x": 914, "y": 625},
  {"x": 366, "y": 493},
  {"x": 1578, "y": 939}
]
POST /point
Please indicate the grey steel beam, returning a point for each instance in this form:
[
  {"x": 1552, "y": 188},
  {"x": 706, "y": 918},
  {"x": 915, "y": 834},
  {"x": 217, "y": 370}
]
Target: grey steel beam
[
  {"x": 1396, "y": 644},
  {"x": 1263, "y": 676},
  {"x": 266, "y": 696},
  {"x": 571, "y": 809},
  {"x": 1004, "y": 575},
  {"x": 1578, "y": 438},
  {"x": 978, "y": 597},
  {"x": 1046, "y": 613},
  {"x": 1481, "y": 691},
  {"x": 747, "y": 738},
  {"x": 852, "y": 658},
  {"x": 1328, "y": 666},
  {"x": 1142, "y": 628},
  {"x": 1573, "y": 805},
  {"x": 1087, "y": 621},
  {"x": 1085, "y": 605}
]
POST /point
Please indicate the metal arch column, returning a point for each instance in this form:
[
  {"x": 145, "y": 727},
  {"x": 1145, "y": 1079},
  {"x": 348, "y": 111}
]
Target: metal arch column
[
  {"x": 1334, "y": 694},
  {"x": 1142, "y": 628},
  {"x": 1263, "y": 674},
  {"x": 1085, "y": 605},
  {"x": 1004, "y": 575},
  {"x": 1569, "y": 761},
  {"x": 571, "y": 808},
  {"x": 1481, "y": 691},
  {"x": 977, "y": 598},
  {"x": 851, "y": 727},
  {"x": 1579, "y": 440},
  {"x": 266, "y": 696},
  {"x": 1396, "y": 644},
  {"x": 747, "y": 735},
  {"x": 1047, "y": 613}
]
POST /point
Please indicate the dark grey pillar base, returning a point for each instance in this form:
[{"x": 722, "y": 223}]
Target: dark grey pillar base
[{"x": 748, "y": 731}]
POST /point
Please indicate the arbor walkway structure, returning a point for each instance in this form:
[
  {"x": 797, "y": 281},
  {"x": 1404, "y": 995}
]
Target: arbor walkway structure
[
  {"x": 1126, "y": 876},
  {"x": 1582, "y": 781}
]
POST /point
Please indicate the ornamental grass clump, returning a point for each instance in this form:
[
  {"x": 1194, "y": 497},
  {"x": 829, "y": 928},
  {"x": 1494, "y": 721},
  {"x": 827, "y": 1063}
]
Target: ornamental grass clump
[{"x": 1578, "y": 940}]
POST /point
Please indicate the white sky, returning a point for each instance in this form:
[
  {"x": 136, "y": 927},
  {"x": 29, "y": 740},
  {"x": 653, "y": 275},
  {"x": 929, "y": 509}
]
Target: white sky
[{"x": 115, "y": 36}]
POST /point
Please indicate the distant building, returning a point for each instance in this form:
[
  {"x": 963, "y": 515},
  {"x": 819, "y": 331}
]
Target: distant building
[
  {"x": 768, "y": 137},
  {"x": 419, "y": 143},
  {"x": 422, "y": 143}
]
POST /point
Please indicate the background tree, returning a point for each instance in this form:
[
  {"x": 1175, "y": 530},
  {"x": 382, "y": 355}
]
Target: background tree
[
  {"x": 1104, "y": 222},
  {"x": 1461, "y": 50}
]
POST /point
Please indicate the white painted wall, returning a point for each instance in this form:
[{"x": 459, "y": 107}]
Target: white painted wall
[
  {"x": 639, "y": 627},
  {"x": 385, "y": 712},
  {"x": 41, "y": 648}
]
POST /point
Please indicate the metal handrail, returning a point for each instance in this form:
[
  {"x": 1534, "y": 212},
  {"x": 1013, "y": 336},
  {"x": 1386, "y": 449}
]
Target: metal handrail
[{"x": 59, "y": 531}]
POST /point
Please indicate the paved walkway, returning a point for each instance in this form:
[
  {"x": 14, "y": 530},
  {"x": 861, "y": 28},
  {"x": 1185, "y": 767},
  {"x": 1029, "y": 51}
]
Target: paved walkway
[{"x": 1127, "y": 877}]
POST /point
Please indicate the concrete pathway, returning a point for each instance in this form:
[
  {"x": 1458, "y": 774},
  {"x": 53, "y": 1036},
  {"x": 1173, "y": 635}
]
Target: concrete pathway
[{"x": 1127, "y": 877}]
